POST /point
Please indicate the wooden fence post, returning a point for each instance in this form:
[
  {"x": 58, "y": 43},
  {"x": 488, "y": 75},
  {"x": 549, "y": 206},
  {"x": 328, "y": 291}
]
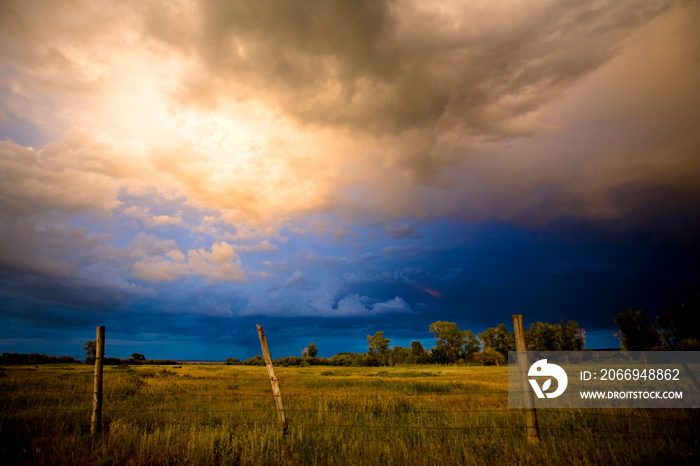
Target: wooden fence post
[
  {"x": 532, "y": 428},
  {"x": 273, "y": 380},
  {"x": 96, "y": 422}
]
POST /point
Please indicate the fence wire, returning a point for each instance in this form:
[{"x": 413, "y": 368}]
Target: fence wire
[{"x": 52, "y": 402}]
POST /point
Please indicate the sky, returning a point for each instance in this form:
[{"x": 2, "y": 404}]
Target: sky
[{"x": 180, "y": 171}]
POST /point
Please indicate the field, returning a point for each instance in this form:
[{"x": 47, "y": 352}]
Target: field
[{"x": 217, "y": 414}]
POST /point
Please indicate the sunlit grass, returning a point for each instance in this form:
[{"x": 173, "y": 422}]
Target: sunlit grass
[{"x": 216, "y": 414}]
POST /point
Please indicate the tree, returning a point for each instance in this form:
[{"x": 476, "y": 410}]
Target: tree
[
  {"x": 418, "y": 353},
  {"x": 90, "y": 348},
  {"x": 680, "y": 325},
  {"x": 439, "y": 355},
  {"x": 472, "y": 346},
  {"x": 636, "y": 331},
  {"x": 417, "y": 349},
  {"x": 378, "y": 346},
  {"x": 499, "y": 339},
  {"x": 138, "y": 357},
  {"x": 571, "y": 337},
  {"x": 399, "y": 355},
  {"x": 542, "y": 336},
  {"x": 489, "y": 357},
  {"x": 450, "y": 341},
  {"x": 311, "y": 350}
]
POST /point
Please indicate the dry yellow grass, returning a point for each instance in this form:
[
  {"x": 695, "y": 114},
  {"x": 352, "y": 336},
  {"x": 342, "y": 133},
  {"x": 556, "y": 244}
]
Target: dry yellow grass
[{"x": 216, "y": 414}]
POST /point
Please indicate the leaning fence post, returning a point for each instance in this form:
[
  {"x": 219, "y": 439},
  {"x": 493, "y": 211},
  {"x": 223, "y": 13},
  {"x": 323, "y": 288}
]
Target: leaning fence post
[
  {"x": 96, "y": 422},
  {"x": 532, "y": 428},
  {"x": 273, "y": 380}
]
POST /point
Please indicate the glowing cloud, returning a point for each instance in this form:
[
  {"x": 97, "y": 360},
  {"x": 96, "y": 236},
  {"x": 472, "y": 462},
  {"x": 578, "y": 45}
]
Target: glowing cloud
[
  {"x": 221, "y": 264},
  {"x": 293, "y": 146}
]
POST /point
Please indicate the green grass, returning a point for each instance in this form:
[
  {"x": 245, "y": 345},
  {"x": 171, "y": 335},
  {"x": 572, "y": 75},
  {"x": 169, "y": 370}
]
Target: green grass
[{"x": 198, "y": 414}]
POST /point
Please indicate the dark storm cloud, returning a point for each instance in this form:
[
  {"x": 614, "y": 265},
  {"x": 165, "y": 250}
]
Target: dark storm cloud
[
  {"x": 396, "y": 67},
  {"x": 335, "y": 168}
]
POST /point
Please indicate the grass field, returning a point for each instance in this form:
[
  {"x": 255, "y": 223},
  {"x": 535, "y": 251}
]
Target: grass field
[{"x": 216, "y": 414}]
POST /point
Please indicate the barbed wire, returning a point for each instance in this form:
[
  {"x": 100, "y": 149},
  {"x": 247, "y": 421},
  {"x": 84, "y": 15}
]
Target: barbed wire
[{"x": 412, "y": 389}]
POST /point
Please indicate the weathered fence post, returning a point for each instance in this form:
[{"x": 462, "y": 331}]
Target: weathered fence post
[
  {"x": 96, "y": 423},
  {"x": 532, "y": 429},
  {"x": 273, "y": 380}
]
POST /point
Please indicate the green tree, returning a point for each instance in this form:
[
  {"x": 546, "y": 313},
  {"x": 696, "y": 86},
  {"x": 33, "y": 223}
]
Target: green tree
[
  {"x": 438, "y": 355},
  {"x": 400, "y": 355},
  {"x": 138, "y": 357},
  {"x": 347, "y": 359},
  {"x": 378, "y": 347},
  {"x": 450, "y": 341},
  {"x": 417, "y": 349},
  {"x": 471, "y": 345},
  {"x": 571, "y": 336},
  {"x": 311, "y": 350},
  {"x": 498, "y": 338},
  {"x": 542, "y": 336},
  {"x": 489, "y": 357},
  {"x": 636, "y": 332},
  {"x": 418, "y": 354},
  {"x": 90, "y": 348}
]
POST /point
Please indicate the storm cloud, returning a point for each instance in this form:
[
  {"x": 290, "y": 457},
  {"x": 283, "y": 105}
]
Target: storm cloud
[{"x": 345, "y": 164}]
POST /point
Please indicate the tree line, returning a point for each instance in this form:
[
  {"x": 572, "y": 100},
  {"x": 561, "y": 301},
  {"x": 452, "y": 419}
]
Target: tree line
[
  {"x": 677, "y": 328},
  {"x": 35, "y": 358},
  {"x": 90, "y": 348},
  {"x": 452, "y": 346}
]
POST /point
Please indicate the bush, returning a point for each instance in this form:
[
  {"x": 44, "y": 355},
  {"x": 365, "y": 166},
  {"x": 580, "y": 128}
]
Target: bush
[
  {"x": 289, "y": 361},
  {"x": 489, "y": 357},
  {"x": 256, "y": 360},
  {"x": 35, "y": 358}
]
